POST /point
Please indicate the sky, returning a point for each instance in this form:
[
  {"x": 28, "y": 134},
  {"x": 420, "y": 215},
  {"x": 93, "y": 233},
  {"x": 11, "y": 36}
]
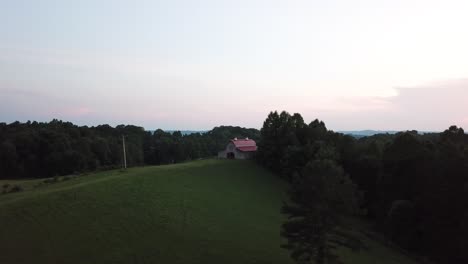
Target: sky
[{"x": 193, "y": 65}]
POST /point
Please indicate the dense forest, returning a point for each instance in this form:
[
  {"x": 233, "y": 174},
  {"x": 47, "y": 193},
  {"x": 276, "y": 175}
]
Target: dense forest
[
  {"x": 414, "y": 186},
  {"x": 38, "y": 150}
]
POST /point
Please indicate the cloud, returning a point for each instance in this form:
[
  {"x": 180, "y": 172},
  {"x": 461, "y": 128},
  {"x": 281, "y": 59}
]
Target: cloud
[
  {"x": 435, "y": 106},
  {"x": 103, "y": 88},
  {"x": 431, "y": 107}
]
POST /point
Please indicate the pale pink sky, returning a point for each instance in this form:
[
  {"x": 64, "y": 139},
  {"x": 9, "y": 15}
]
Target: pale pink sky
[{"x": 364, "y": 64}]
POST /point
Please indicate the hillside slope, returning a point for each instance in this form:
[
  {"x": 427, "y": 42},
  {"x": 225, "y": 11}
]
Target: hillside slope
[{"x": 207, "y": 211}]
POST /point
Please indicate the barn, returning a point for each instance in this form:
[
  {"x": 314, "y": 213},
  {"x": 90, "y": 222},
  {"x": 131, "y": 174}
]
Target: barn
[{"x": 239, "y": 149}]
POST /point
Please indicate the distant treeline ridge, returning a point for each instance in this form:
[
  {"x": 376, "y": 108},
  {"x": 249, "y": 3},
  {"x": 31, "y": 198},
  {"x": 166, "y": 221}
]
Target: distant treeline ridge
[{"x": 37, "y": 150}]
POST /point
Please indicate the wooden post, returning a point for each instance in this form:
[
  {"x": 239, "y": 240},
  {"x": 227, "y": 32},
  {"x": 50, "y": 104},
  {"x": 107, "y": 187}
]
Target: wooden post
[{"x": 124, "y": 154}]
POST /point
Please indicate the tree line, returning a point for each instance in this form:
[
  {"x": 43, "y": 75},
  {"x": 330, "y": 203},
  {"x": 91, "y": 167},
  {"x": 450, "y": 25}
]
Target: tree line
[
  {"x": 39, "y": 150},
  {"x": 413, "y": 186}
]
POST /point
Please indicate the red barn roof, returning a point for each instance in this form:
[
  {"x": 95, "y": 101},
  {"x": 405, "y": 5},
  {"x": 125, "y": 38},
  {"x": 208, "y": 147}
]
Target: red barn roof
[{"x": 245, "y": 145}]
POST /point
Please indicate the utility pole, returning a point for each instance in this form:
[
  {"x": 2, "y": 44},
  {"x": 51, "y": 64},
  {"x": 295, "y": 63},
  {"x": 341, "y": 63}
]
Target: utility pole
[{"x": 124, "y": 154}]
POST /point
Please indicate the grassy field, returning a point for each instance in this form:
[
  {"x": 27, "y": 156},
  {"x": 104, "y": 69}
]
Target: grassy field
[{"x": 207, "y": 211}]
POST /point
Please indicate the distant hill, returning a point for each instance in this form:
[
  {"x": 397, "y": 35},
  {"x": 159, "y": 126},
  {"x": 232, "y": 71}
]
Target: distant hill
[
  {"x": 187, "y": 132},
  {"x": 367, "y": 133},
  {"x": 184, "y": 132}
]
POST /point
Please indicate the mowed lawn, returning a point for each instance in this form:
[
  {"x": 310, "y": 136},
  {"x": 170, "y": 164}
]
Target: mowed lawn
[{"x": 210, "y": 211}]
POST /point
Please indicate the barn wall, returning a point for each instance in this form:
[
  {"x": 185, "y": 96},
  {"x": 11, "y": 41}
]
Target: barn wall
[
  {"x": 222, "y": 154},
  {"x": 238, "y": 154},
  {"x": 230, "y": 147},
  {"x": 243, "y": 155}
]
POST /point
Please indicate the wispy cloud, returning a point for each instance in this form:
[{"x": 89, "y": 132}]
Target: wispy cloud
[
  {"x": 106, "y": 88},
  {"x": 434, "y": 106}
]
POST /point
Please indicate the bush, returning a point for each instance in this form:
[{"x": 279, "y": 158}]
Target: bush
[
  {"x": 51, "y": 180},
  {"x": 16, "y": 188},
  {"x": 5, "y": 188},
  {"x": 402, "y": 223},
  {"x": 66, "y": 178}
]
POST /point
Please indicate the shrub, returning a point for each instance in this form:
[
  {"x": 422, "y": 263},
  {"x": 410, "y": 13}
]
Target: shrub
[
  {"x": 5, "y": 188},
  {"x": 66, "y": 178},
  {"x": 402, "y": 223},
  {"x": 51, "y": 180},
  {"x": 16, "y": 188}
]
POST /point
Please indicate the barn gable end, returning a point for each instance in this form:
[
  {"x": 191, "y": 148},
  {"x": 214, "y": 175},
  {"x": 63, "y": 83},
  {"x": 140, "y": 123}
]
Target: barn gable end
[{"x": 239, "y": 149}]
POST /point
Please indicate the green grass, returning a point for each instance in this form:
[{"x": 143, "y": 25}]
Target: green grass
[{"x": 207, "y": 211}]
